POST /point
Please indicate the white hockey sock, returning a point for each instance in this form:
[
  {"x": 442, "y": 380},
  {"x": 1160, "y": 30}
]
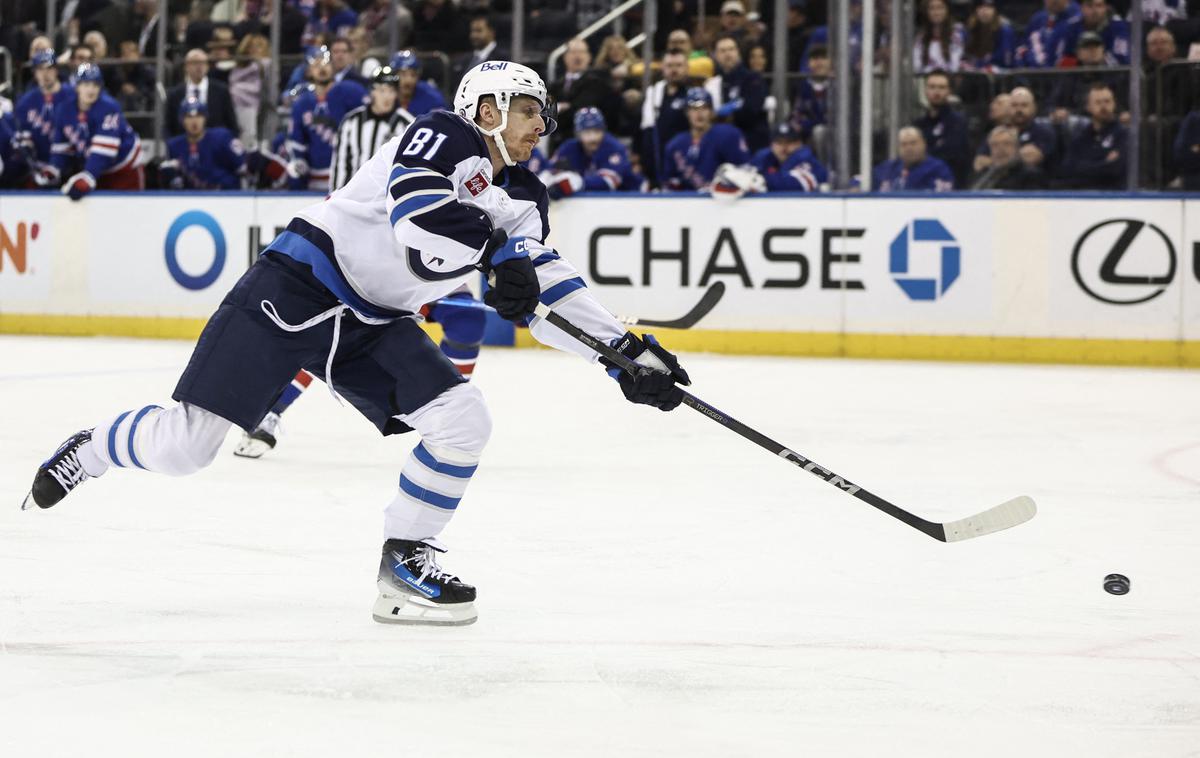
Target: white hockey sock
[
  {"x": 179, "y": 440},
  {"x": 432, "y": 483}
]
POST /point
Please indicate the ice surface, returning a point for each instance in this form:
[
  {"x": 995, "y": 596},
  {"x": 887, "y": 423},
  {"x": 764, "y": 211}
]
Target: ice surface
[{"x": 650, "y": 584}]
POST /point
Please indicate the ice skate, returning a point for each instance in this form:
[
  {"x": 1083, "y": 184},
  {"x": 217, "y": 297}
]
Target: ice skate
[
  {"x": 58, "y": 474},
  {"x": 413, "y": 589},
  {"x": 256, "y": 442}
]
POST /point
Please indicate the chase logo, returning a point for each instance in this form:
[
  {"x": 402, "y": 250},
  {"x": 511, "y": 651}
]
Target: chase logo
[
  {"x": 925, "y": 238},
  {"x": 170, "y": 250}
]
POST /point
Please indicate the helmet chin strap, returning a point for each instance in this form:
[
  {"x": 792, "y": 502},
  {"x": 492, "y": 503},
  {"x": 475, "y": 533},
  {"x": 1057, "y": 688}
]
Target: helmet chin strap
[{"x": 497, "y": 136}]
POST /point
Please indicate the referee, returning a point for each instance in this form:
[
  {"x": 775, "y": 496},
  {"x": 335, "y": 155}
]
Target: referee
[{"x": 367, "y": 127}]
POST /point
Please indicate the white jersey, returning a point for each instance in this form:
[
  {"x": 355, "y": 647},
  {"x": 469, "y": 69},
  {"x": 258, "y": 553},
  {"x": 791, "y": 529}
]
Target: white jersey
[{"x": 410, "y": 227}]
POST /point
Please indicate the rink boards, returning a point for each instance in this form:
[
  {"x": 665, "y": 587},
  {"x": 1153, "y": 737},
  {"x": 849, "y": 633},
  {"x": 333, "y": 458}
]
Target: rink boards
[{"x": 1100, "y": 279}]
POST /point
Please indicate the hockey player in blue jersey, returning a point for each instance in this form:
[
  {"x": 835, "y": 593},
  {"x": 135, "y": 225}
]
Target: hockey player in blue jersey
[
  {"x": 336, "y": 293},
  {"x": 416, "y": 96},
  {"x": 34, "y": 112},
  {"x": 914, "y": 170},
  {"x": 592, "y": 161},
  {"x": 789, "y": 165},
  {"x": 316, "y": 114},
  {"x": 92, "y": 139},
  {"x": 692, "y": 158},
  {"x": 201, "y": 158}
]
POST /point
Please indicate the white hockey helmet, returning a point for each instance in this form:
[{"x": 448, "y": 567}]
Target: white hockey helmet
[{"x": 503, "y": 80}]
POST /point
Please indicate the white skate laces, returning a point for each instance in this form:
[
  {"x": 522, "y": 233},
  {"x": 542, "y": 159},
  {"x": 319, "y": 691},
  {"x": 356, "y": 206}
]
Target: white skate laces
[
  {"x": 424, "y": 559},
  {"x": 68, "y": 472}
]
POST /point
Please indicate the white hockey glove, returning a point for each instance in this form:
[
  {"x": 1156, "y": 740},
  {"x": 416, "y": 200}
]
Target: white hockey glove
[
  {"x": 560, "y": 184},
  {"x": 297, "y": 168},
  {"x": 79, "y": 185},
  {"x": 731, "y": 182}
]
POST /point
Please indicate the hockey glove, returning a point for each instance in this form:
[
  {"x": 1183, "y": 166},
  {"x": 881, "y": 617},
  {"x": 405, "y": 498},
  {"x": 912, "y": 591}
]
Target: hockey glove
[
  {"x": 79, "y": 185},
  {"x": 728, "y": 109},
  {"x": 297, "y": 169},
  {"x": 562, "y": 184},
  {"x": 169, "y": 175},
  {"x": 46, "y": 175},
  {"x": 513, "y": 283},
  {"x": 657, "y": 383}
]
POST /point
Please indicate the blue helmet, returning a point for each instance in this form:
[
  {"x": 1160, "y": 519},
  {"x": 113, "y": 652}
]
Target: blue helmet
[
  {"x": 43, "y": 59},
  {"x": 89, "y": 72},
  {"x": 405, "y": 59},
  {"x": 317, "y": 55},
  {"x": 589, "y": 118},
  {"x": 192, "y": 106},
  {"x": 698, "y": 97}
]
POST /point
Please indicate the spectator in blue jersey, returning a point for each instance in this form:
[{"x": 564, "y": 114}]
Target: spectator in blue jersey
[
  {"x": 1187, "y": 151},
  {"x": 329, "y": 19},
  {"x": 692, "y": 158},
  {"x": 1095, "y": 17},
  {"x": 944, "y": 129},
  {"x": 1097, "y": 157},
  {"x": 820, "y": 37},
  {"x": 34, "y": 112},
  {"x": 314, "y": 123},
  {"x": 93, "y": 140},
  {"x": 914, "y": 170},
  {"x": 1037, "y": 49},
  {"x": 418, "y": 97},
  {"x": 812, "y": 100},
  {"x": 789, "y": 165},
  {"x": 202, "y": 158},
  {"x": 664, "y": 111},
  {"x": 1037, "y": 141},
  {"x": 739, "y": 93},
  {"x": 991, "y": 42},
  {"x": 591, "y": 161}
]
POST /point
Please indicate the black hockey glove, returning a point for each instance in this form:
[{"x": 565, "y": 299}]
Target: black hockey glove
[
  {"x": 512, "y": 281},
  {"x": 657, "y": 382}
]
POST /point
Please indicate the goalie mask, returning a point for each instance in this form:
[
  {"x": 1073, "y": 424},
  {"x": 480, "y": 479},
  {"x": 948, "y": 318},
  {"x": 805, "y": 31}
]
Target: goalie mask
[{"x": 503, "y": 80}]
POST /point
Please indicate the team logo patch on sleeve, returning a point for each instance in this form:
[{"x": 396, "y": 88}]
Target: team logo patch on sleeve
[{"x": 477, "y": 184}]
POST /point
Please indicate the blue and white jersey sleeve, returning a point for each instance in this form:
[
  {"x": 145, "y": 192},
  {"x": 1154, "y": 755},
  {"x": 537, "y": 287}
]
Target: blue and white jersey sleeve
[{"x": 440, "y": 162}]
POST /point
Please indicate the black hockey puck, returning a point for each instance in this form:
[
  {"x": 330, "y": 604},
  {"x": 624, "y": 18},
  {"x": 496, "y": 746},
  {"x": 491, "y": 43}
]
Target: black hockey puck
[{"x": 1116, "y": 584}]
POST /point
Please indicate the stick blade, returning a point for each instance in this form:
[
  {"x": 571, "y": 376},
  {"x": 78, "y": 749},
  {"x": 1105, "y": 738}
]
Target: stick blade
[{"x": 1003, "y": 516}]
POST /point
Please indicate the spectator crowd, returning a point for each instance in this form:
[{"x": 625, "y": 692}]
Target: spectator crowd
[{"x": 1018, "y": 95}]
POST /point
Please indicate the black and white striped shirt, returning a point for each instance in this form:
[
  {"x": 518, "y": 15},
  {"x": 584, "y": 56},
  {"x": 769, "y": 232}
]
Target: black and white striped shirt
[{"x": 359, "y": 136}]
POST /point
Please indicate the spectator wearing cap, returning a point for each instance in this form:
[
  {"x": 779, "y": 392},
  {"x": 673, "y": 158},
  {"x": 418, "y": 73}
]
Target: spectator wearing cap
[
  {"x": 316, "y": 115},
  {"x": 197, "y": 84},
  {"x": 990, "y": 43},
  {"x": 418, "y": 97},
  {"x": 93, "y": 140},
  {"x": 940, "y": 39},
  {"x": 739, "y": 93},
  {"x": 1007, "y": 171},
  {"x": 591, "y": 161},
  {"x": 1097, "y": 19},
  {"x": 364, "y": 129},
  {"x": 820, "y": 37},
  {"x": 1097, "y": 156},
  {"x": 345, "y": 66},
  {"x": 33, "y": 131},
  {"x": 329, "y": 19},
  {"x": 1186, "y": 151},
  {"x": 789, "y": 165},
  {"x": 581, "y": 86},
  {"x": 692, "y": 158},
  {"x": 438, "y": 25},
  {"x": 202, "y": 158},
  {"x": 664, "y": 111},
  {"x": 732, "y": 21},
  {"x": 1037, "y": 141},
  {"x": 944, "y": 129},
  {"x": 1037, "y": 48},
  {"x": 914, "y": 170},
  {"x": 1070, "y": 93}
]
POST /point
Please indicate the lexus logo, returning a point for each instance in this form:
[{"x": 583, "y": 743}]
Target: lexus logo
[{"x": 1124, "y": 261}]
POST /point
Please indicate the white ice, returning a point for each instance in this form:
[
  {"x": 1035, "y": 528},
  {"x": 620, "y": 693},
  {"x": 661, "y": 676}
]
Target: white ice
[{"x": 650, "y": 584}]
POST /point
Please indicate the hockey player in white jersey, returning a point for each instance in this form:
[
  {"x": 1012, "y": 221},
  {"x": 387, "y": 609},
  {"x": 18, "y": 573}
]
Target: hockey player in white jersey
[{"x": 336, "y": 293}]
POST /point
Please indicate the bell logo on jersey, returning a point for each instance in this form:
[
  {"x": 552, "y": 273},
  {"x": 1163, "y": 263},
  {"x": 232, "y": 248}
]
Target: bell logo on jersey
[
  {"x": 16, "y": 248},
  {"x": 477, "y": 184}
]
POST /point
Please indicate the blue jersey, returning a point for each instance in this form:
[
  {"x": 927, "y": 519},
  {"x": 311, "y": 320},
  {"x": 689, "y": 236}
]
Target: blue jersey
[
  {"x": 216, "y": 161},
  {"x": 930, "y": 174},
  {"x": 801, "y": 172},
  {"x": 35, "y": 119},
  {"x": 1004, "y": 51},
  {"x": 810, "y": 104},
  {"x": 1115, "y": 34},
  {"x": 426, "y": 98},
  {"x": 691, "y": 164},
  {"x": 314, "y": 126},
  {"x": 606, "y": 170},
  {"x": 99, "y": 136},
  {"x": 537, "y": 162},
  {"x": 7, "y": 164},
  {"x": 1038, "y": 49}
]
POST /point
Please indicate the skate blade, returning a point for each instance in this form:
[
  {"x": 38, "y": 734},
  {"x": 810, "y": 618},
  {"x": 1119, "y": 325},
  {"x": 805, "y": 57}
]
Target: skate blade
[
  {"x": 27, "y": 504},
  {"x": 416, "y": 611},
  {"x": 251, "y": 449}
]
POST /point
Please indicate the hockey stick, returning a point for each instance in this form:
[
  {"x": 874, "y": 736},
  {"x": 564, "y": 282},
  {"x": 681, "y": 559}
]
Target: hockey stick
[
  {"x": 1003, "y": 516},
  {"x": 707, "y": 302}
]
